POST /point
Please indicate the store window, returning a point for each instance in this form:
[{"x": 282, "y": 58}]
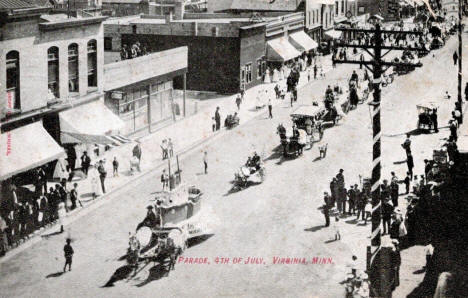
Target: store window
[
  {"x": 12, "y": 80},
  {"x": 92, "y": 63},
  {"x": 107, "y": 43},
  {"x": 73, "y": 74},
  {"x": 53, "y": 71},
  {"x": 248, "y": 73}
]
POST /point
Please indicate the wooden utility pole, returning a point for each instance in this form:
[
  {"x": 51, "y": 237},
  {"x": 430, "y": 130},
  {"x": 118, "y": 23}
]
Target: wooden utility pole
[
  {"x": 460, "y": 56},
  {"x": 377, "y": 68}
]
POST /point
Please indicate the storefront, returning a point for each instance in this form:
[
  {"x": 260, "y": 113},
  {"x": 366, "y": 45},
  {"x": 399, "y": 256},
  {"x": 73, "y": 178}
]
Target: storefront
[
  {"x": 281, "y": 51},
  {"x": 140, "y": 105},
  {"x": 302, "y": 42},
  {"x": 140, "y": 91},
  {"x": 26, "y": 148}
]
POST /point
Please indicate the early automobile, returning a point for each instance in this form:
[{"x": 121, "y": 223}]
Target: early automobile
[
  {"x": 253, "y": 172},
  {"x": 427, "y": 112}
]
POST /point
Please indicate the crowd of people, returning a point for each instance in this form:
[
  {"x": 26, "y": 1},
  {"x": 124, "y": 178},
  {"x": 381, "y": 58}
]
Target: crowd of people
[
  {"x": 22, "y": 216},
  {"x": 133, "y": 51}
]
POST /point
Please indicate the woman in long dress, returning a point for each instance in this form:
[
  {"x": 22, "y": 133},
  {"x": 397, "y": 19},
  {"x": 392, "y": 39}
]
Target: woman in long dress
[
  {"x": 267, "y": 79},
  {"x": 95, "y": 187},
  {"x": 60, "y": 170},
  {"x": 275, "y": 75},
  {"x": 62, "y": 213}
]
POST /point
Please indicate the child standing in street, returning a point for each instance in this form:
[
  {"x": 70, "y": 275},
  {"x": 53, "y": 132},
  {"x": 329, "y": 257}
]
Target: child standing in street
[{"x": 336, "y": 228}]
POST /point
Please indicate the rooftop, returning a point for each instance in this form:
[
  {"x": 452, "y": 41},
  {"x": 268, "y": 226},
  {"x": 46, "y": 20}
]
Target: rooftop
[
  {"x": 161, "y": 20},
  {"x": 15, "y": 4}
]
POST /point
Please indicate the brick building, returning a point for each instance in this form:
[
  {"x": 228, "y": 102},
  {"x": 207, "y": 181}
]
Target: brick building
[
  {"x": 218, "y": 46},
  {"x": 120, "y": 8}
]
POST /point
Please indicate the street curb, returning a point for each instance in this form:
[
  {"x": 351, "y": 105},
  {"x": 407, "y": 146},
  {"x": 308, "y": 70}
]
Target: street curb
[{"x": 78, "y": 213}]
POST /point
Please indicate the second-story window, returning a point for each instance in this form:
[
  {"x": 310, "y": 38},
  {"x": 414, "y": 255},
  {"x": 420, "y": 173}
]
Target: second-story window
[
  {"x": 73, "y": 73},
  {"x": 342, "y": 6},
  {"x": 336, "y": 8},
  {"x": 12, "y": 80},
  {"x": 53, "y": 71},
  {"x": 92, "y": 63}
]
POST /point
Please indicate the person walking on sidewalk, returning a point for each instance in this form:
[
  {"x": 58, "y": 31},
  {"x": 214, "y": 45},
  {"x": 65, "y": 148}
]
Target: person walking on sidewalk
[
  {"x": 270, "y": 109},
  {"x": 315, "y": 71},
  {"x": 85, "y": 162},
  {"x": 115, "y": 167},
  {"x": 238, "y": 101},
  {"x": 205, "y": 162},
  {"x": 137, "y": 152},
  {"x": 170, "y": 147},
  {"x": 164, "y": 180},
  {"x": 455, "y": 58},
  {"x": 74, "y": 196},
  {"x": 102, "y": 175},
  {"x": 217, "y": 119},
  {"x": 164, "y": 149},
  {"x": 68, "y": 252}
]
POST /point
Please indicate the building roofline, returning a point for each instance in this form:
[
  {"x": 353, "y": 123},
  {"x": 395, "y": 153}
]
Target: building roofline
[{"x": 68, "y": 23}]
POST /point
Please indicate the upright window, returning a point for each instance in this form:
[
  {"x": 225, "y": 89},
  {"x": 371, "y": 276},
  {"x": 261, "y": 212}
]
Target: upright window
[
  {"x": 92, "y": 63},
  {"x": 342, "y": 6},
  {"x": 248, "y": 73},
  {"x": 336, "y": 8},
  {"x": 259, "y": 68},
  {"x": 73, "y": 74},
  {"x": 12, "y": 80},
  {"x": 53, "y": 70}
]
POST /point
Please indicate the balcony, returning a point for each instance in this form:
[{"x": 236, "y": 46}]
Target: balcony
[{"x": 131, "y": 71}]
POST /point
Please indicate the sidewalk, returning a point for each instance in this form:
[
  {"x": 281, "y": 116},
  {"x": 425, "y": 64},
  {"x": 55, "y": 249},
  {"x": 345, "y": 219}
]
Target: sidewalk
[{"x": 186, "y": 134}]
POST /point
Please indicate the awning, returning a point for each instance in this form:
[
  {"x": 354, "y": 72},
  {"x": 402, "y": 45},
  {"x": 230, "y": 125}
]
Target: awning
[
  {"x": 302, "y": 41},
  {"x": 90, "y": 123},
  {"x": 26, "y": 148},
  {"x": 462, "y": 142},
  {"x": 280, "y": 50},
  {"x": 333, "y": 34}
]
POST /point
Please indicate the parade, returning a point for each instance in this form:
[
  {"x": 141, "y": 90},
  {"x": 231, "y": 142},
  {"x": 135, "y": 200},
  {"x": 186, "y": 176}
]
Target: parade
[{"x": 345, "y": 159}]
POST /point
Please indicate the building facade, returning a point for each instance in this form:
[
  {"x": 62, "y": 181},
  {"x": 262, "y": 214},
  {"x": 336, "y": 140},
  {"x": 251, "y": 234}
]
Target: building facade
[
  {"x": 145, "y": 99},
  {"x": 218, "y": 47},
  {"x": 120, "y": 8},
  {"x": 450, "y": 10}
]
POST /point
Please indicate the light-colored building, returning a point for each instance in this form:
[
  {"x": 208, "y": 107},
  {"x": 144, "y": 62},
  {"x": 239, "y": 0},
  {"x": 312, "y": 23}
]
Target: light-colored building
[
  {"x": 450, "y": 10},
  {"x": 49, "y": 59}
]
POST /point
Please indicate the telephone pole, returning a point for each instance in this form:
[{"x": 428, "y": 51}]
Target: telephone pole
[
  {"x": 460, "y": 55},
  {"x": 376, "y": 66}
]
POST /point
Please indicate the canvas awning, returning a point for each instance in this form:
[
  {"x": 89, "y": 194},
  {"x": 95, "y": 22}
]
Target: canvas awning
[
  {"x": 333, "y": 34},
  {"x": 280, "y": 50},
  {"x": 91, "y": 123},
  {"x": 302, "y": 41},
  {"x": 26, "y": 148},
  {"x": 462, "y": 142}
]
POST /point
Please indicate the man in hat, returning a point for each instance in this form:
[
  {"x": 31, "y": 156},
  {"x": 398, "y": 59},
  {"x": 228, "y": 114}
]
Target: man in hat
[
  {"x": 394, "y": 189},
  {"x": 85, "y": 162},
  {"x": 68, "y": 252},
  {"x": 102, "y": 175},
  {"x": 137, "y": 153},
  {"x": 387, "y": 211},
  {"x": 407, "y": 145},
  {"x": 150, "y": 220},
  {"x": 326, "y": 208}
]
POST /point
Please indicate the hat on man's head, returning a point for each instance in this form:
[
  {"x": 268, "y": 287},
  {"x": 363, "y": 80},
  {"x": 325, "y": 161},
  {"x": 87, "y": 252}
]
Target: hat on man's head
[{"x": 149, "y": 207}]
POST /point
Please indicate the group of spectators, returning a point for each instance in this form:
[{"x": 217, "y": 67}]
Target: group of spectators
[
  {"x": 22, "y": 215},
  {"x": 133, "y": 51}
]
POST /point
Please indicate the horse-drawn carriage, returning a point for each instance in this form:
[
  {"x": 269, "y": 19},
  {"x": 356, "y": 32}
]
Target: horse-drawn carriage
[
  {"x": 253, "y": 172},
  {"x": 426, "y": 115},
  {"x": 162, "y": 236},
  {"x": 159, "y": 245}
]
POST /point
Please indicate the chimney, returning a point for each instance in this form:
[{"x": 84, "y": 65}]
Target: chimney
[
  {"x": 169, "y": 18},
  {"x": 179, "y": 10}
]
